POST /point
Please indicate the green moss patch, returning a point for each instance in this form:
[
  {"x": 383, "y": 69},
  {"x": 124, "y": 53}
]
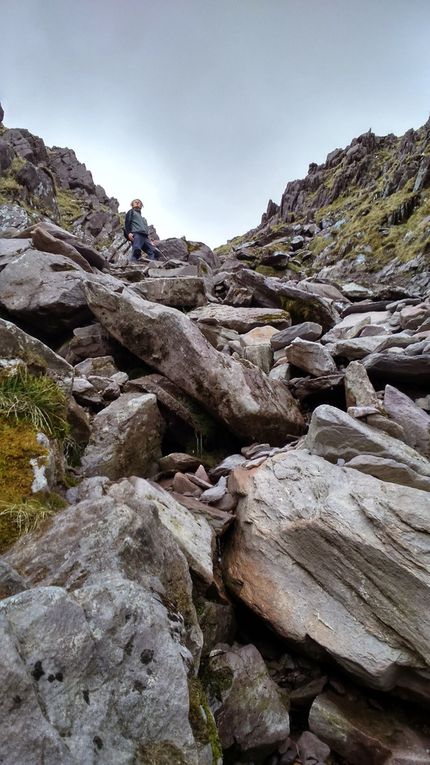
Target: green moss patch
[
  {"x": 201, "y": 719},
  {"x": 20, "y": 509},
  {"x": 69, "y": 207}
]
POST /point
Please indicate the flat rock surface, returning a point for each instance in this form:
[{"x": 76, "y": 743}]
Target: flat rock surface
[
  {"x": 334, "y": 435},
  {"x": 331, "y": 555}
]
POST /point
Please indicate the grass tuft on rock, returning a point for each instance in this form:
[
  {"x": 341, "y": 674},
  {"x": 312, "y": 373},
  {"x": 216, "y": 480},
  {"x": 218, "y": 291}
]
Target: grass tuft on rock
[{"x": 36, "y": 400}]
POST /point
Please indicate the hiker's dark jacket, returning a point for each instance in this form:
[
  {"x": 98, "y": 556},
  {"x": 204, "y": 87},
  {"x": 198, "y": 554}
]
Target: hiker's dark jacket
[{"x": 135, "y": 223}]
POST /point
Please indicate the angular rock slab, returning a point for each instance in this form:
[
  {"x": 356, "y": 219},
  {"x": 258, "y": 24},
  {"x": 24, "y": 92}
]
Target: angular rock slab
[
  {"x": 399, "y": 367},
  {"x": 240, "y": 319},
  {"x": 327, "y": 554},
  {"x": 414, "y": 421},
  {"x": 334, "y": 435},
  {"x": 359, "y": 391},
  {"x": 178, "y": 292},
  {"x": 193, "y": 534},
  {"x": 15, "y": 344},
  {"x": 307, "y": 330},
  {"x": 250, "y": 713},
  {"x": 242, "y": 397},
  {"x": 103, "y": 645},
  {"x": 302, "y": 305},
  {"x": 312, "y": 357},
  {"x": 44, "y": 290},
  {"x": 363, "y": 735},
  {"x": 125, "y": 438}
]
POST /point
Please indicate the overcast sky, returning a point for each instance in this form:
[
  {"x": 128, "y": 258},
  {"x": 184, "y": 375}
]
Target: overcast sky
[{"x": 205, "y": 109}]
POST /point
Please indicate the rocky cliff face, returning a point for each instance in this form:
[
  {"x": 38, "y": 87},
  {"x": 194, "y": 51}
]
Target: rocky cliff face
[
  {"x": 215, "y": 475},
  {"x": 363, "y": 214}
]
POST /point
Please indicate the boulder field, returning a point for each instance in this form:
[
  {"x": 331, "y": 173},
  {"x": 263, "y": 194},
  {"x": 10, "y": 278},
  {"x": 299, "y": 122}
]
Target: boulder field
[{"x": 214, "y": 482}]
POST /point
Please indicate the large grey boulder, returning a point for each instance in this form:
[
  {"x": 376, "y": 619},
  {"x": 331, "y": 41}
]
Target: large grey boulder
[
  {"x": 247, "y": 704},
  {"x": 302, "y": 305},
  {"x": 125, "y": 438},
  {"x": 241, "y": 396},
  {"x": 334, "y": 435},
  {"x": 414, "y": 421},
  {"x": 176, "y": 291},
  {"x": 240, "y": 319},
  {"x": 45, "y": 291},
  {"x": 17, "y": 345},
  {"x": 95, "y": 659},
  {"x": 328, "y": 555}
]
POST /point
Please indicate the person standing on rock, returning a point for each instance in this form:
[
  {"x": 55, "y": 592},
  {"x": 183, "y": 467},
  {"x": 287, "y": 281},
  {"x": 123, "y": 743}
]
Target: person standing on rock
[{"x": 136, "y": 230}]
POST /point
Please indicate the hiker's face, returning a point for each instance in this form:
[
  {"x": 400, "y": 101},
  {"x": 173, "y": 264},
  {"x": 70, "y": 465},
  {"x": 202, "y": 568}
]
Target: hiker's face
[{"x": 137, "y": 204}]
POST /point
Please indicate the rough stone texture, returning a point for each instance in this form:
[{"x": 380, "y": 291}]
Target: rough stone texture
[
  {"x": 103, "y": 644},
  {"x": 359, "y": 391},
  {"x": 9, "y": 248},
  {"x": 125, "y": 438},
  {"x": 38, "y": 357},
  {"x": 173, "y": 248},
  {"x": 302, "y": 387},
  {"x": 258, "y": 336},
  {"x": 217, "y": 622},
  {"x": 312, "y": 357},
  {"x": 399, "y": 367},
  {"x": 10, "y": 581},
  {"x": 301, "y": 305},
  {"x": 240, "y": 319},
  {"x": 414, "y": 421},
  {"x": 330, "y": 555},
  {"x": 87, "y": 342},
  {"x": 178, "y": 461},
  {"x": 364, "y": 735},
  {"x": 334, "y": 435},
  {"x": 101, "y": 366},
  {"x": 250, "y": 714},
  {"x": 388, "y": 470},
  {"x": 44, "y": 241},
  {"x": 244, "y": 398},
  {"x": 6, "y": 155},
  {"x": 192, "y": 533},
  {"x": 307, "y": 330},
  {"x": 14, "y": 217},
  {"x": 44, "y": 290},
  {"x": 311, "y": 749},
  {"x": 412, "y": 316},
  {"x": 176, "y": 291}
]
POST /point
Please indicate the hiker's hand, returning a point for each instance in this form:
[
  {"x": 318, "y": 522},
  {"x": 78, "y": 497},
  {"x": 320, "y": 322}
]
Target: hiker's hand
[{"x": 130, "y": 236}]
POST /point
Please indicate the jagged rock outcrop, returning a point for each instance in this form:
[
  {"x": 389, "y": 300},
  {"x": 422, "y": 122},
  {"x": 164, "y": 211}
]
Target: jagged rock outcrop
[{"x": 359, "y": 214}]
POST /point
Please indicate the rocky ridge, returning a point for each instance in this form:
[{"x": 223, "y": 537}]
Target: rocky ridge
[
  {"x": 226, "y": 500},
  {"x": 361, "y": 215}
]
